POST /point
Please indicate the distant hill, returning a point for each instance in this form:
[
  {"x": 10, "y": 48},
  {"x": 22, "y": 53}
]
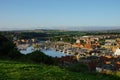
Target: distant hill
[{"x": 64, "y": 28}]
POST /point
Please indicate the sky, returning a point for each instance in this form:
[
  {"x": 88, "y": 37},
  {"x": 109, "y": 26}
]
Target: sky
[{"x": 59, "y": 14}]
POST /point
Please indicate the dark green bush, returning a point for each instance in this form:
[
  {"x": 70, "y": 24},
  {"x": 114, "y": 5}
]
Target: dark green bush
[
  {"x": 78, "y": 67},
  {"x": 39, "y": 57}
]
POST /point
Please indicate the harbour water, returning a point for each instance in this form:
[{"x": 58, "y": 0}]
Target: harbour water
[
  {"x": 50, "y": 52},
  {"x": 53, "y": 53}
]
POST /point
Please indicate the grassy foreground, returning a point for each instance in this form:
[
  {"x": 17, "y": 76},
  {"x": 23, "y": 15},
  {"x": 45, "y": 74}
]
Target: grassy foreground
[{"x": 10, "y": 70}]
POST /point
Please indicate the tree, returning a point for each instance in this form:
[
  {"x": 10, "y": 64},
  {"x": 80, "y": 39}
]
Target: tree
[{"x": 8, "y": 49}]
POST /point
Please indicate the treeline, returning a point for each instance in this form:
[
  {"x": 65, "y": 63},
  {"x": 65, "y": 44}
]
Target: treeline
[
  {"x": 102, "y": 33},
  {"x": 44, "y": 33},
  {"x": 29, "y": 35}
]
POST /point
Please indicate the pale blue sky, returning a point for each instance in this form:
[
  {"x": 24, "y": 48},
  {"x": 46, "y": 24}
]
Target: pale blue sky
[{"x": 31, "y": 14}]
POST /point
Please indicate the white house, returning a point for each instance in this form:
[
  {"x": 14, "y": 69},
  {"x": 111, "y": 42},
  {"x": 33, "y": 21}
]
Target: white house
[{"x": 117, "y": 52}]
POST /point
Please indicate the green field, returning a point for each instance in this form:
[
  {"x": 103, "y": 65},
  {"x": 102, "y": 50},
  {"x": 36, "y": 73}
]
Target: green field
[{"x": 10, "y": 70}]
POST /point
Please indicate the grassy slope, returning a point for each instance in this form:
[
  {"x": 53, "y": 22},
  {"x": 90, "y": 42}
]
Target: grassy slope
[{"x": 10, "y": 70}]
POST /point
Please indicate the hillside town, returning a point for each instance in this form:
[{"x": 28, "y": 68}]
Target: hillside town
[{"x": 100, "y": 53}]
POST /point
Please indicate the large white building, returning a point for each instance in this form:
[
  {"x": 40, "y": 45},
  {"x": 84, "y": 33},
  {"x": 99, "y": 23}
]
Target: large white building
[{"x": 117, "y": 52}]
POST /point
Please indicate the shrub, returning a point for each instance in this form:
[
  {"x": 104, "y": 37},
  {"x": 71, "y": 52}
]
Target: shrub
[
  {"x": 39, "y": 57},
  {"x": 78, "y": 67}
]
